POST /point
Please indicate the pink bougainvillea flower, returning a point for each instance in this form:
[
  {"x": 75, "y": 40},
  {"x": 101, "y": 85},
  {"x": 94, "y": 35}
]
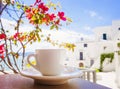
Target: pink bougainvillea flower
[
  {"x": 43, "y": 8},
  {"x": 61, "y": 16},
  {"x": 49, "y": 17},
  {"x": 52, "y": 16},
  {"x": 2, "y": 50},
  {"x": 2, "y": 36},
  {"x": 37, "y": 1},
  {"x": 16, "y": 35}
]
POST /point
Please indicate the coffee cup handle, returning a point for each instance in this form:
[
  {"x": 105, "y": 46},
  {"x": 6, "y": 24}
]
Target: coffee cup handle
[{"x": 28, "y": 59}]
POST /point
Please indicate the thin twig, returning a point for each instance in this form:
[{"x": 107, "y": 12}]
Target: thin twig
[
  {"x": 13, "y": 57},
  {"x": 6, "y": 50},
  {"x": 15, "y": 11},
  {"x": 10, "y": 67},
  {"x": 3, "y": 9},
  {"x": 18, "y": 22},
  {"x": 2, "y": 70},
  {"x": 10, "y": 15},
  {"x": 23, "y": 54},
  {"x": 11, "y": 9}
]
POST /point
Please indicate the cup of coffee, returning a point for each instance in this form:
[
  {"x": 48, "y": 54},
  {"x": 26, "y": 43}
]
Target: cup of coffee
[{"x": 48, "y": 61}]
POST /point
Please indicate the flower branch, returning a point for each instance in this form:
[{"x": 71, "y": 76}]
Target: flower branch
[{"x": 37, "y": 14}]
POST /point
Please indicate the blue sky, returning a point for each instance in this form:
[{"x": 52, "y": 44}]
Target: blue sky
[{"x": 88, "y": 14}]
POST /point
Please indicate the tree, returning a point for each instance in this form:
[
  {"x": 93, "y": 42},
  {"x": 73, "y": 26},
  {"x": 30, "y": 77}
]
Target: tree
[{"x": 37, "y": 14}]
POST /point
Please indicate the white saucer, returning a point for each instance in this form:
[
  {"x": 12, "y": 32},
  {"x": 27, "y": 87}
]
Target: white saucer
[{"x": 68, "y": 73}]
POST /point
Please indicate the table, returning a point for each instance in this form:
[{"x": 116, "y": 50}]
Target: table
[{"x": 16, "y": 81}]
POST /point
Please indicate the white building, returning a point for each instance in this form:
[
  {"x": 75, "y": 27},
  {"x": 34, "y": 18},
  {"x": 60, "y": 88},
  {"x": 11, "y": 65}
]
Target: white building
[{"x": 106, "y": 38}]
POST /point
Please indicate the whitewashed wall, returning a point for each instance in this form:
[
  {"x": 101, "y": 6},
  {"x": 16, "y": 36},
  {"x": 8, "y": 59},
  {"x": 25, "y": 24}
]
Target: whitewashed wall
[
  {"x": 98, "y": 31},
  {"x": 115, "y": 30},
  {"x": 97, "y": 46}
]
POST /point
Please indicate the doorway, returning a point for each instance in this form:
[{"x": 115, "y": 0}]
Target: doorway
[{"x": 81, "y": 55}]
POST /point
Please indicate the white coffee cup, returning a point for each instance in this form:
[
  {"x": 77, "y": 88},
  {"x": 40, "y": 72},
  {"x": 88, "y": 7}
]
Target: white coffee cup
[{"x": 48, "y": 61}]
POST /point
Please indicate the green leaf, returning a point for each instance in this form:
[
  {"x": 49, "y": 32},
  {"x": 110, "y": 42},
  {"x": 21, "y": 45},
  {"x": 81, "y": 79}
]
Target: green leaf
[
  {"x": 18, "y": 5},
  {"x": 7, "y": 31},
  {"x": 40, "y": 21},
  {"x": 33, "y": 18},
  {"x": 38, "y": 37},
  {"x": 118, "y": 52},
  {"x": 52, "y": 27},
  {"x": 56, "y": 27},
  {"x": 25, "y": 8},
  {"x": 31, "y": 42},
  {"x": 69, "y": 19},
  {"x": 15, "y": 42},
  {"x": 118, "y": 44}
]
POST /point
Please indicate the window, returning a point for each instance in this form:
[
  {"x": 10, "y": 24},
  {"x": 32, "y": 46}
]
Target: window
[
  {"x": 81, "y": 39},
  {"x": 119, "y": 28},
  {"x": 81, "y": 55},
  {"x": 104, "y": 36},
  {"x": 85, "y": 45}
]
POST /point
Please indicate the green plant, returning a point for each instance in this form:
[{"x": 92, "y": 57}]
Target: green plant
[
  {"x": 103, "y": 56},
  {"x": 118, "y": 52},
  {"x": 118, "y": 44}
]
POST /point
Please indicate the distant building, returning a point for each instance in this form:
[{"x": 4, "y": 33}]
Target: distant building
[{"x": 106, "y": 38}]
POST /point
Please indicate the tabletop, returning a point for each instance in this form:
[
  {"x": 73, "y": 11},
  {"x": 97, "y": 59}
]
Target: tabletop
[{"x": 16, "y": 81}]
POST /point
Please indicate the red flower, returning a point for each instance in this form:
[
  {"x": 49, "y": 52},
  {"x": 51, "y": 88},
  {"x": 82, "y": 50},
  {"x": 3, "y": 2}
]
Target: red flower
[
  {"x": 28, "y": 10},
  {"x": 2, "y": 51},
  {"x": 43, "y": 8},
  {"x": 61, "y": 16},
  {"x": 52, "y": 16},
  {"x": 2, "y": 36},
  {"x": 1, "y": 48},
  {"x": 37, "y": 1},
  {"x": 2, "y": 56},
  {"x": 16, "y": 35},
  {"x": 29, "y": 15},
  {"x": 19, "y": 36}
]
